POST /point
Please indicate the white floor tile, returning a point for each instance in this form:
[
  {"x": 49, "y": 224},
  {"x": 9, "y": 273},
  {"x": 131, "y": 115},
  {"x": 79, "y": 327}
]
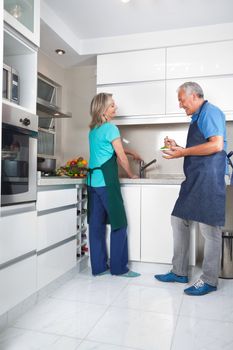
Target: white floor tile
[
  {"x": 136, "y": 329},
  {"x": 212, "y": 306},
  {"x": 100, "y": 290},
  {"x": 155, "y": 299},
  {"x": 117, "y": 313},
  {"x": 196, "y": 334},
  {"x": 62, "y": 317},
  {"x": 22, "y": 339},
  {"x": 89, "y": 345}
]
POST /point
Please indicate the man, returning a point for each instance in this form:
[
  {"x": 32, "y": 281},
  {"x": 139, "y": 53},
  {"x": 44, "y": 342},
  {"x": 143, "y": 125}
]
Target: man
[{"x": 202, "y": 194}]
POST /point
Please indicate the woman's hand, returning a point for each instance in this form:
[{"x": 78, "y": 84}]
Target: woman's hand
[
  {"x": 134, "y": 154},
  {"x": 135, "y": 177}
]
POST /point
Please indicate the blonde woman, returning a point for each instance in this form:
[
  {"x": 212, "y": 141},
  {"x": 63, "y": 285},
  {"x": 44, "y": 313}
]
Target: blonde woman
[{"x": 105, "y": 202}]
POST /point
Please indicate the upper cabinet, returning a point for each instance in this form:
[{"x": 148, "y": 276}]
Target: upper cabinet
[
  {"x": 135, "y": 66},
  {"x": 24, "y": 17},
  {"x": 200, "y": 60},
  {"x": 144, "y": 83},
  {"x": 19, "y": 73}
]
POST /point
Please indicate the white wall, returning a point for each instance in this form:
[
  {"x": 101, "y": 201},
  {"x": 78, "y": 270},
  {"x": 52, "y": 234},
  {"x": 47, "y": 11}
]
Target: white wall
[{"x": 81, "y": 87}]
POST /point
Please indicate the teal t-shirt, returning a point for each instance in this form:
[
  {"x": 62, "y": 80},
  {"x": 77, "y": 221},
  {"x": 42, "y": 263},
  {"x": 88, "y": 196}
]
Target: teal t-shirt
[{"x": 101, "y": 150}]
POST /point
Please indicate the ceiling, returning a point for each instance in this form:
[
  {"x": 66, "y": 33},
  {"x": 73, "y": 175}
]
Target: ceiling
[{"x": 85, "y": 20}]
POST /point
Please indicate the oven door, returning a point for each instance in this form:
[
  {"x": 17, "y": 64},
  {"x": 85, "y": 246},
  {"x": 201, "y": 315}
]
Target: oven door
[{"x": 19, "y": 150}]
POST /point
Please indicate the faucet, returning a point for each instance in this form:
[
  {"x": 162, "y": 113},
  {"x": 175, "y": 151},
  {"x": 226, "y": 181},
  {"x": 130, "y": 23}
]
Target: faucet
[{"x": 143, "y": 166}]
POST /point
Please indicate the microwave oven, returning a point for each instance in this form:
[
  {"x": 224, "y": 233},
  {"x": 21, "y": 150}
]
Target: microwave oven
[{"x": 10, "y": 82}]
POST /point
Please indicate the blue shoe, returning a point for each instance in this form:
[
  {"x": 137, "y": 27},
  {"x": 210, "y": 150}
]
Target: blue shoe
[
  {"x": 200, "y": 288},
  {"x": 130, "y": 274},
  {"x": 171, "y": 277}
]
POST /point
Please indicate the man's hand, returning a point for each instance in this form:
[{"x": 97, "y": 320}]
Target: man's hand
[
  {"x": 169, "y": 142},
  {"x": 174, "y": 152}
]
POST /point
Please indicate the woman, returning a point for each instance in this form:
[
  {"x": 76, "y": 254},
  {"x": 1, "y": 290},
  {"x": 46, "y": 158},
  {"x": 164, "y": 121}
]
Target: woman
[{"x": 105, "y": 200}]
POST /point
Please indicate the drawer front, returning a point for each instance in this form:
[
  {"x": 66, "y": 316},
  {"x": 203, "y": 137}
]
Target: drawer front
[
  {"x": 56, "y": 198},
  {"x": 55, "y": 263},
  {"x": 18, "y": 282},
  {"x": 18, "y": 235},
  {"x": 55, "y": 227}
]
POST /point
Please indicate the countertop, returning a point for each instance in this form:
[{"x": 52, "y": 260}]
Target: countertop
[{"x": 158, "y": 179}]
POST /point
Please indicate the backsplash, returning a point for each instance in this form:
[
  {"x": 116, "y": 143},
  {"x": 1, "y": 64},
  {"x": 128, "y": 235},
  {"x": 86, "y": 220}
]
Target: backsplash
[{"x": 147, "y": 140}]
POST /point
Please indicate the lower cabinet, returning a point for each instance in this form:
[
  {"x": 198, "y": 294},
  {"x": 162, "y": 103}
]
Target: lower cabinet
[
  {"x": 157, "y": 203},
  {"x": 56, "y": 232},
  {"x": 18, "y": 281},
  {"x": 131, "y": 197},
  {"x": 55, "y": 262}
]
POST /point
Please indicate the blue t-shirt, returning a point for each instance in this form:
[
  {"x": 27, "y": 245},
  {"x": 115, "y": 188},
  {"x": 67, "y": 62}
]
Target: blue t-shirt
[
  {"x": 101, "y": 150},
  {"x": 211, "y": 122}
]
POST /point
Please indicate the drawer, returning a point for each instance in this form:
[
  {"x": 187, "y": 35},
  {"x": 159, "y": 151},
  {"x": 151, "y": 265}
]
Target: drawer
[
  {"x": 55, "y": 227},
  {"x": 18, "y": 282},
  {"x": 55, "y": 263},
  {"x": 18, "y": 235},
  {"x": 56, "y": 198}
]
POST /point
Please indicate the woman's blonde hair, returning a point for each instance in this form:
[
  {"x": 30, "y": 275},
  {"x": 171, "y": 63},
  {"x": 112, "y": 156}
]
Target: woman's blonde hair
[{"x": 99, "y": 104}]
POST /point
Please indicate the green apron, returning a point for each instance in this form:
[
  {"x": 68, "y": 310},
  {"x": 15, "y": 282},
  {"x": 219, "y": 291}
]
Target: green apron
[{"x": 116, "y": 211}]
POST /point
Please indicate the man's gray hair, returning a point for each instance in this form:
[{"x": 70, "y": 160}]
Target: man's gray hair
[{"x": 191, "y": 88}]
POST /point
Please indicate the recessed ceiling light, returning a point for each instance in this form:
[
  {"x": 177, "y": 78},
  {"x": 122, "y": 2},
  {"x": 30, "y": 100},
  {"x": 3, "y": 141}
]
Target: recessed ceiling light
[
  {"x": 125, "y": 1},
  {"x": 60, "y": 52}
]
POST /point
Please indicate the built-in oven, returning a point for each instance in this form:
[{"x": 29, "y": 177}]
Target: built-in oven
[{"x": 19, "y": 156}]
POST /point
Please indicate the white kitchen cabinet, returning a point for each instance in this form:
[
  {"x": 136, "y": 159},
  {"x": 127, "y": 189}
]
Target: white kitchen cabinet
[
  {"x": 18, "y": 235},
  {"x": 55, "y": 227},
  {"x": 54, "y": 263},
  {"x": 144, "y": 65},
  {"x": 217, "y": 90},
  {"x": 23, "y": 58},
  {"x": 139, "y": 99},
  {"x": 157, "y": 202},
  {"x": 55, "y": 198},
  {"x": 24, "y": 17},
  {"x": 56, "y": 234},
  {"x": 200, "y": 60},
  {"x": 131, "y": 196},
  {"x": 18, "y": 281}
]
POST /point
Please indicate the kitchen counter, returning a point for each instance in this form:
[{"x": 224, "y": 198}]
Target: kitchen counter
[
  {"x": 158, "y": 179},
  {"x": 59, "y": 180}
]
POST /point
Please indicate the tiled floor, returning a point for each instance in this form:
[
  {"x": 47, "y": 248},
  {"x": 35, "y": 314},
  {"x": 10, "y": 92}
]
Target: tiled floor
[{"x": 117, "y": 313}]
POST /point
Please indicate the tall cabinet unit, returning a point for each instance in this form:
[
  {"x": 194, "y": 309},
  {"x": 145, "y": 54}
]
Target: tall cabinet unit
[{"x": 19, "y": 39}]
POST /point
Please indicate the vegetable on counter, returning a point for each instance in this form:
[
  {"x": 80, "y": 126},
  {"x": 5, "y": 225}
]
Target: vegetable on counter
[{"x": 74, "y": 168}]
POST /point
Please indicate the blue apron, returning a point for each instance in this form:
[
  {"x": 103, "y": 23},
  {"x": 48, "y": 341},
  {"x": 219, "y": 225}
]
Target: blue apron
[{"x": 202, "y": 194}]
